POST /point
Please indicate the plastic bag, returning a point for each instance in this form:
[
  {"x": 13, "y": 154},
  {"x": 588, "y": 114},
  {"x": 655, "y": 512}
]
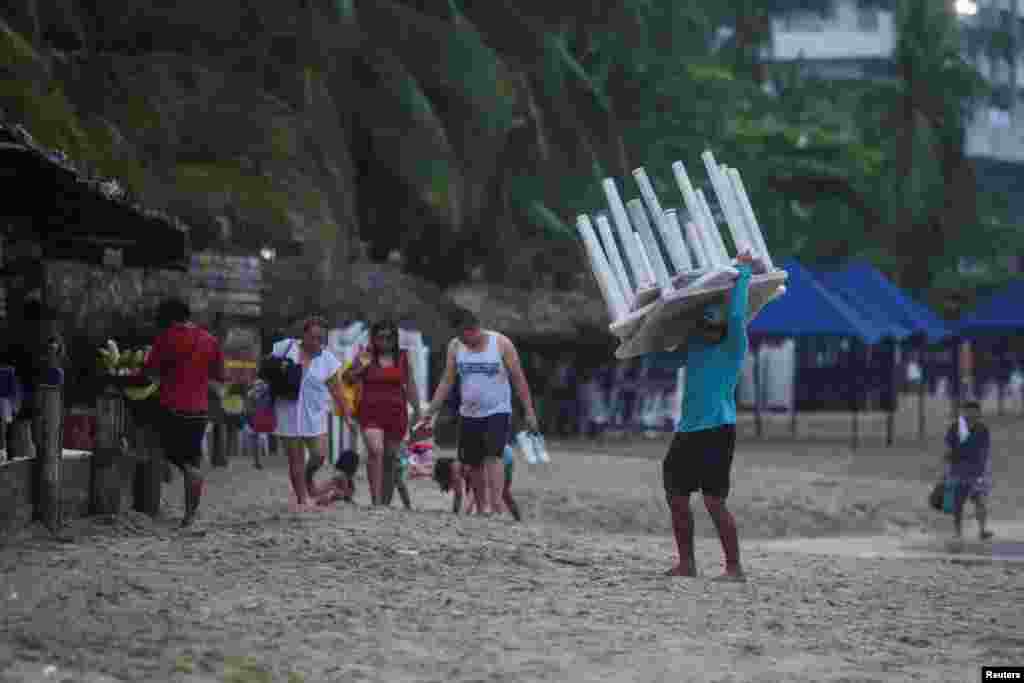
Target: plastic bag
[{"x": 525, "y": 444}]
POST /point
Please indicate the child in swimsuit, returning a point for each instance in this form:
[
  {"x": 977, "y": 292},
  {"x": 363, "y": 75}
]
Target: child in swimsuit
[
  {"x": 449, "y": 476},
  {"x": 342, "y": 486}
]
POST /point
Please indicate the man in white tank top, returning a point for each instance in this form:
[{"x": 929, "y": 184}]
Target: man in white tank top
[{"x": 487, "y": 366}]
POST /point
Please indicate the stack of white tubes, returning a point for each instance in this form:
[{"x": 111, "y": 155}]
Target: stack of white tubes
[{"x": 646, "y": 252}]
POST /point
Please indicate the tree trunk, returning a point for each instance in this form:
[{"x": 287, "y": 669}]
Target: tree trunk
[{"x": 1014, "y": 30}]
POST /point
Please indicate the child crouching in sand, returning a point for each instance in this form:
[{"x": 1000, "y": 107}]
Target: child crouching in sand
[
  {"x": 449, "y": 475},
  {"x": 342, "y": 486}
]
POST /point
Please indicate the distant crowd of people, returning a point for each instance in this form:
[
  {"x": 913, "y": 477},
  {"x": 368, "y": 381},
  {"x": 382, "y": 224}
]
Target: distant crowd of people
[{"x": 305, "y": 383}]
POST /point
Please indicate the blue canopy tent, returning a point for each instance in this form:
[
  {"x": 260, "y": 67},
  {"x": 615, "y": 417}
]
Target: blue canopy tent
[
  {"x": 993, "y": 322},
  {"x": 864, "y": 286},
  {"x": 1000, "y": 314},
  {"x": 811, "y": 310},
  {"x": 900, "y": 307},
  {"x": 808, "y": 309}
]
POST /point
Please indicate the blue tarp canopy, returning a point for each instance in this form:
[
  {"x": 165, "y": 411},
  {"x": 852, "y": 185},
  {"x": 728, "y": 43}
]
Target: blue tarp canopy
[
  {"x": 868, "y": 290},
  {"x": 808, "y": 309},
  {"x": 1000, "y": 314}
]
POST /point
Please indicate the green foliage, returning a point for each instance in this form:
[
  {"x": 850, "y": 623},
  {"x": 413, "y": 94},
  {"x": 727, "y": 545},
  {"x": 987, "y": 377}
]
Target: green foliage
[
  {"x": 410, "y": 137},
  {"x": 16, "y": 52},
  {"x": 47, "y": 113},
  {"x": 255, "y": 194}
]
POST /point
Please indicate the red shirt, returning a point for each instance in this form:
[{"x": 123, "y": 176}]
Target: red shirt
[{"x": 186, "y": 357}]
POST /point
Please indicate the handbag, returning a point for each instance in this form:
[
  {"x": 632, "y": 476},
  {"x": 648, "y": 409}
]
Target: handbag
[
  {"x": 282, "y": 374},
  {"x": 935, "y": 498},
  {"x": 351, "y": 392},
  {"x": 951, "y": 489},
  {"x": 264, "y": 420}
]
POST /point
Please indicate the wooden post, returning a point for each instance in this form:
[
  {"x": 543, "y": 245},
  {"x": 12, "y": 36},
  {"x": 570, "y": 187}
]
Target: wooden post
[
  {"x": 219, "y": 445},
  {"x": 49, "y": 427},
  {"x": 1002, "y": 353},
  {"x": 855, "y": 396},
  {"x": 796, "y": 374},
  {"x": 922, "y": 386},
  {"x": 105, "y": 489},
  {"x": 758, "y": 422},
  {"x": 890, "y": 419},
  {"x": 149, "y": 470}
]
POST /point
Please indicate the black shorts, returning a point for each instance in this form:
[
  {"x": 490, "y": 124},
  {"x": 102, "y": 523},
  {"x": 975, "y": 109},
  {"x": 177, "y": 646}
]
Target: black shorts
[
  {"x": 481, "y": 438},
  {"x": 182, "y": 438},
  {"x": 700, "y": 461}
]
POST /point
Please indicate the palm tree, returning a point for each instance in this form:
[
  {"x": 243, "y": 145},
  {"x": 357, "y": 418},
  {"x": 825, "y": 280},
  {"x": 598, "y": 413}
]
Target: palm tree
[{"x": 457, "y": 103}]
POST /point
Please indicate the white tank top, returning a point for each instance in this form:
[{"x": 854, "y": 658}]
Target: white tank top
[{"x": 483, "y": 380}]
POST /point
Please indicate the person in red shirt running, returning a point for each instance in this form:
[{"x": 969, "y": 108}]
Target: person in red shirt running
[{"x": 184, "y": 358}]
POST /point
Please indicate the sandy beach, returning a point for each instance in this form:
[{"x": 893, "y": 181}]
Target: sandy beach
[{"x": 851, "y": 579}]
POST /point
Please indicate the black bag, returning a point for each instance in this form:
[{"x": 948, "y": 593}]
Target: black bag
[
  {"x": 935, "y": 498},
  {"x": 282, "y": 374}
]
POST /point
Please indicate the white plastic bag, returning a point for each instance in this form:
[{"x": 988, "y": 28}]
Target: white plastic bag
[
  {"x": 526, "y": 447},
  {"x": 540, "y": 448}
]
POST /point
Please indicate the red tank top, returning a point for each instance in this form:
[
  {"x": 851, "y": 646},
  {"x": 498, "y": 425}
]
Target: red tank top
[{"x": 385, "y": 385}]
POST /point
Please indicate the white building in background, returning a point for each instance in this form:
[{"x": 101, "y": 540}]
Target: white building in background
[{"x": 857, "y": 42}]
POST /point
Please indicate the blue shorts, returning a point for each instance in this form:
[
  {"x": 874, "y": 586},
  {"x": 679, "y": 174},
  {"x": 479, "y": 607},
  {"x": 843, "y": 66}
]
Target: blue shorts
[{"x": 481, "y": 438}]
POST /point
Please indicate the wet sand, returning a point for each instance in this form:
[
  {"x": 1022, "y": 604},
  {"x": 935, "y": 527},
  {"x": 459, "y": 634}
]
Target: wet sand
[{"x": 575, "y": 593}]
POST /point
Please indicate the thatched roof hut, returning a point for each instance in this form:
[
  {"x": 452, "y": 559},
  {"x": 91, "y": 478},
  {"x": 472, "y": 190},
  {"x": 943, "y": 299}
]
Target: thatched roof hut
[
  {"x": 365, "y": 291},
  {"x": 538, "y": 317},
  {"x": 72, "y": 215}
]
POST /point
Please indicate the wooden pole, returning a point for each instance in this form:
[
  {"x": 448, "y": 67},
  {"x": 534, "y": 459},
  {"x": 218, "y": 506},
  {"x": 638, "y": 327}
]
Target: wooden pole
[
  {"x": 219, "y": 445},
  {"x": 149, "y": 471},
  {"x": 921, "y": 396},
  {"x": 49, "y": 427},
  {"x": 1002, "y": 354},
  {"x": 105, "y": 489},
  {"x": 758, "y": 423},
  {"x": 796, "y": 373},
  {"x": 855, "y": 395},
  {"x": 894, "y": 395}
]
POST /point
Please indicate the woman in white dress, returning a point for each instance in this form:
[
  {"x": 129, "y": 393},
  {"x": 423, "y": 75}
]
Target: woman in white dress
[{"x": 302, "y": 424}]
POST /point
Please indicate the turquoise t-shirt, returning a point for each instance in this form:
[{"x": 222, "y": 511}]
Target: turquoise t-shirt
[{"x": 713, "y": 370}]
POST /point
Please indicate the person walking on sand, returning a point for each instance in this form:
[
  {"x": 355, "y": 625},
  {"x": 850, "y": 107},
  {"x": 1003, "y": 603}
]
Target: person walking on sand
[
  {"x": 970, "y": 467},
  {"x": 388, "y": 386},
  {"x": 486, "y": 364},
  {"x": 302, "y": 423},
  {"x": 184, "y": 359},
  {"x": 700, "y": 457}
]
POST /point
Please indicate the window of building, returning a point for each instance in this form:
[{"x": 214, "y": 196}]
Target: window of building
[
  {"x": 867, "y": 20},
  {"x": 804, "y": 22}
]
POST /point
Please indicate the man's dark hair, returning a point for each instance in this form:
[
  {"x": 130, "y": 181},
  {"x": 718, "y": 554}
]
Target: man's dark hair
[
  {"x": 464, "y": 318},
  {"x": 443, "y": 473},
  {"x": 173, "y": 310}
]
